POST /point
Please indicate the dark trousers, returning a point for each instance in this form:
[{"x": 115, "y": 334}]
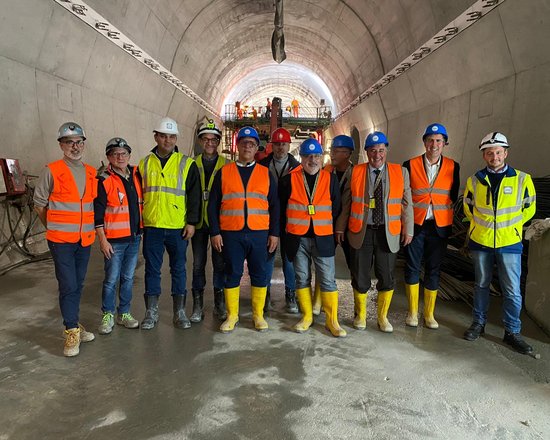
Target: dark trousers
[
  {"x": 240, "y": 246},
  {"x": 155, "y": 241},
  {"x": 200, "y": 242},
  {"x": 374, "y": 247},
  {"x": 347, "y": 252},
  {"x": 71, "y": 263},
  {"x": 429, "y": 245}
]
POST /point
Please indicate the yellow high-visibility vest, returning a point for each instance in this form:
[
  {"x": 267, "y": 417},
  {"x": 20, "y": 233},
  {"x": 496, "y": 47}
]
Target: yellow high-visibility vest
[
  {"x": 220, "y": 162},
  {"x": 502, "y": 225},
  {"x": 164, "y": 196}
]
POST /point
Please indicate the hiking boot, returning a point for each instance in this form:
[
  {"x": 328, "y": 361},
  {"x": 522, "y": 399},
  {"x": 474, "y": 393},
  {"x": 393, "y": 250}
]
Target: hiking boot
[
  {"x": 475, "y": 331},
  {"x": 107, "y": 323},
  {"x": 72, "y": 342},
  {"x": 515, "y": 341},
  {"x": 127, "y": 320},
  {"x": 85, "y": 336},
  {"x": 291, "y": 304}
]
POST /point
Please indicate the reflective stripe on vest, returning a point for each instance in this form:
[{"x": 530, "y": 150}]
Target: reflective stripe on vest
[
  {"x": 234, "y": 198},
  {"x": 503, "y": 225},
  {"x": 438, "y": 194},
  {"x": 359, "y": 207},
  {"x": 116, "y": 222},
  {"x": 220, "y": 162},
  {"x": 164, "y": 195},
  {"x": 70, "y": 217},
  {"x": 298, "y": 216}
]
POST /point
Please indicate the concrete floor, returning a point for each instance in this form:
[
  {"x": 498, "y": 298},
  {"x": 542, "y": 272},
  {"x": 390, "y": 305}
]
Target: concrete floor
[{"x": 201, "y": 384}]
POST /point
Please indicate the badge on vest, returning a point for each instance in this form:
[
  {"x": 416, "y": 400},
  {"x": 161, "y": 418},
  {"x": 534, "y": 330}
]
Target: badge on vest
[
  {"x": 508, "y": 190},
  {"x": 372, "y": 203},
  {"x": 205, "y": 195},
  {"x": 311, "y": 209}
]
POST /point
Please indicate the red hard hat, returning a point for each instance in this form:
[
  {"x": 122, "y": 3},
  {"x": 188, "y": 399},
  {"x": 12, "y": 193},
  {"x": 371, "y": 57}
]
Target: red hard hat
[{"x": 281, "y": 135}]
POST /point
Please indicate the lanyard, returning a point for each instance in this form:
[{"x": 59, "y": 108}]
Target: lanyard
[
  {"x": 310, "y": 195},
  {"x": 282, "y": 169}
]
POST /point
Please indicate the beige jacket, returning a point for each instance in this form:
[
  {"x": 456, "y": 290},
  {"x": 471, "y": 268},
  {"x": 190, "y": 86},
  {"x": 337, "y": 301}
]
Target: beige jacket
[{"x": 407, "y": 215}]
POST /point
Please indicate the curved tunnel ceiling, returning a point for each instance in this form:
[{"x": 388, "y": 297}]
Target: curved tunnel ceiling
[{"x": 221, "y": 49}]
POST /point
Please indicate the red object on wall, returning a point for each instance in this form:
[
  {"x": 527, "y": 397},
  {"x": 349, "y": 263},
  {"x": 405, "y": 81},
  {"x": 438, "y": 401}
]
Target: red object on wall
[{"x": 13, "y": 181}]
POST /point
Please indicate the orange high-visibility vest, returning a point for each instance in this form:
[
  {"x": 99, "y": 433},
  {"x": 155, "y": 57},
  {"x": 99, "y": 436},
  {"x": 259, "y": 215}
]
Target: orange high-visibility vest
[
  {"x": 234, "y": 198},
  {"x": 359, "y": 208},
  {"x": 116, "y": 222},
  {"x": 70, "y": 218},
  {"x": 438, "y": 195},
  {"x": 329, "y": 168},
  {"x": 297, "y": 213}
]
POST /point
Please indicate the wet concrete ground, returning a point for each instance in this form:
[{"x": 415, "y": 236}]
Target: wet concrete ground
[{"x": 200, "y": 384}]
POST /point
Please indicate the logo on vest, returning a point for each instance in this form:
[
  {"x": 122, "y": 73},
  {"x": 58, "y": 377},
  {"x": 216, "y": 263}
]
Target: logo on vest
[{"x": 508, "y": 190}]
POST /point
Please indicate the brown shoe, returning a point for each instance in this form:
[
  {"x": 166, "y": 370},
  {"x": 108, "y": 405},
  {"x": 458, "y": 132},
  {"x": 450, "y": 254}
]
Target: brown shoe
[{"x": 72, "y": 342}]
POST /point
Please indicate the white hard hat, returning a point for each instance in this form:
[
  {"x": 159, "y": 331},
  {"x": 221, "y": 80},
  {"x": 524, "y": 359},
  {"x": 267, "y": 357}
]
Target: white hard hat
[
  {"x": 167, "y": 126},
  {"x": 70, "y": 129},
  {"x": 494, "y": 139}
]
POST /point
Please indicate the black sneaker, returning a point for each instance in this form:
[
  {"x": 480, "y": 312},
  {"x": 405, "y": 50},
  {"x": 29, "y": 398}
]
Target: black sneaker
[
  {"x": 475, "y": 331},
  {"x": 517, "y": 343}
]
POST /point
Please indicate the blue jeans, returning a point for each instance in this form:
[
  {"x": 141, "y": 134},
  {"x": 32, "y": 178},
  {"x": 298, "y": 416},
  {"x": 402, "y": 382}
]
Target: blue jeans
[
  {"x": 288, "y": 271},
  {"x": 71, "y": 263},
  {"x": 200, "y": 242},
  {"x": 250, "y": 246},
  {"x": 324, "y": 266},
  {"x": 155, "y": 241},
  {"x": 429, "y": 245},
  {"x": 119, "y": 272},
  {"x": 509, "y": 273}
]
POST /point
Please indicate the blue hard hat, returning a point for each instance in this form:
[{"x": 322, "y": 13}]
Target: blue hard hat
[
  {"x": 375, "y": 138},
  {"x": 436, "y": 129},
  {"x": 248, "y": 132},
  {"x": 310, "y": 146},
  {"x": 343, "y": 141}
]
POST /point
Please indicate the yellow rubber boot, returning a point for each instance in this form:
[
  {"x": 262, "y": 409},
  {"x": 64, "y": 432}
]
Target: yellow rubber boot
[
  {"x": 360, "y": 301},
  {"x": 411, "y": 290},
  {"x": 429, "y": 307},
  {"x": 330, "y": 306},
  {"x": 232, "y": 305},
  {"x": 384, "y": 301},
  {"x": 304, "y": 299},
  {"x": 258, "y": 301},
  {"x": 317, "y": 300}
]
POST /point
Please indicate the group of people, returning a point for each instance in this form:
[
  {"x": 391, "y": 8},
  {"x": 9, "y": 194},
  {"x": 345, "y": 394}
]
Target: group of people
[{"x": 245, "y": 210}]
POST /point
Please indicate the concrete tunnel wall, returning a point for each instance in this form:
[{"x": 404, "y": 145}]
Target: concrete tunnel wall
[{"x": 493, "y": 76}]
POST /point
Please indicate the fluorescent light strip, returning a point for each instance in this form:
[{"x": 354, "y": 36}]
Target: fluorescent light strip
[
  {"x": 459, "y": 24},
  {"x": 89, "y": 16}
]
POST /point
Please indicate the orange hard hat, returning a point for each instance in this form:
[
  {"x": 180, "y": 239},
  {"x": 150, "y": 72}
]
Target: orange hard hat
[{"x": 281, "y": 135}]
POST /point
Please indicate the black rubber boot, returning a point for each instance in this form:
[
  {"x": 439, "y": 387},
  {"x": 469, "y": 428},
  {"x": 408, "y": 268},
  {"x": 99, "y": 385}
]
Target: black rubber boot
[
  {"x": 219, "y": 305},
  {"x": 291, "y": 304},
  {"x": 151, "y": 312},
  {"x": 515, "y": 341},
  {"x": 268, "y": 306},
  {"x": 180, "y": 318},
  {"x": 475, "y": 331},
  {"x": 198, "y": 306}
]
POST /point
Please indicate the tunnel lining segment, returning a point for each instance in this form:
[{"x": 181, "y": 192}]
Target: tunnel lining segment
[
  {"x": 470, "y": 16},
  {"x": 96, "y": 21}
]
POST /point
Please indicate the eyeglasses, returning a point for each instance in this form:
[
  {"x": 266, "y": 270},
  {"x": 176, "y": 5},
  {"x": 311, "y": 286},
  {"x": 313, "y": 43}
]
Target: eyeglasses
[
  {"x": 248, "y": 143},
  {"x": 78, "y": 143},
  {"x": 212, "y": 141},
  {"x": 123, "y": 154}
]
